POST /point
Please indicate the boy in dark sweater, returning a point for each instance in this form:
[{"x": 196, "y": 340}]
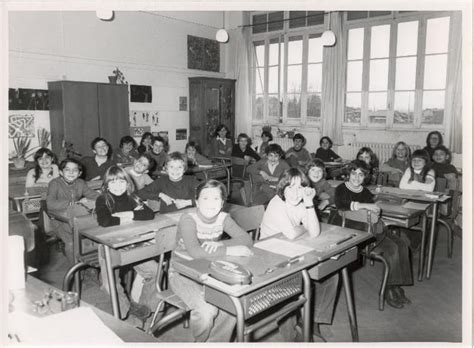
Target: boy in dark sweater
[{"x": 174, "y": 190}]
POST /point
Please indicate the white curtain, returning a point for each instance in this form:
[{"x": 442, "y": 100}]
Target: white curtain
[
  {"x": 243, "y": 99},
  {"x": 454, "y": 89},
  {"x": 332, "y": 108}
]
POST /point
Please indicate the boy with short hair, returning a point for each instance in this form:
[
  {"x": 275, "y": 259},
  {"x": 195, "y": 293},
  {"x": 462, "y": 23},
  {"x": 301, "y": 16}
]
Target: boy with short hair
[
  {"x": 159, "y": 154},
  {"x": 298, "y": 156},
  {"x": 442, "y": 166},
  {"x": 139, "y": 171},
  {"x": 174, "y": 190}
]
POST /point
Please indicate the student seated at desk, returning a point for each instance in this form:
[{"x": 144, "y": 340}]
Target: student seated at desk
[
  {"x": 266, "y": 173},
  {"x": 419, "y": 175},
  {"x": 292, "y": 213},
  {"x": 368, "y": 156},
  {"x": 397, "y": 164},
  {"x": 174, "y": 190},
  {"x": 221, "y": 144},
  {"x": 139, "y": 171},
  {"x": 351, "y": 195},
  {"x": 297, "y": 155},
  {"x": 194, "y": 157},
  {"x": 45, "y": 169},
  {"x": 316, "y": 172},
  {"x": 443, "y": 168},
  {"x": 325, "y": 153},
  {"x": 118, "y": 205},
  {"x": 63, "y": 194},
  {"x": 159, "y": 153},
  {"x": 199, "y": 234},
  {"x": 242, "y": 152},
  {"x": 95, "y": 166},
  {"x": 126, "y": 154}
]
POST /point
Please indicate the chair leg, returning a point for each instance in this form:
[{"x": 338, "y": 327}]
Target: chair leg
[
  {"x": 449, "y": 231},
  {"x": 383, "y": 287},
  {"x": 154, "y": 319},
  {"x": 73, "y": 272}
]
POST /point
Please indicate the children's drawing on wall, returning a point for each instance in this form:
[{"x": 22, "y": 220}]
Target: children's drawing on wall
[
  {"x": 181, "y": 134},
  {"x": 138, "y": 131},
  {"x": 28, "y": 99},
  {"x": 144, "y": 118},
  {"x": 21, "y": 125},
  {"x": 183, "y": 103},
  {"x": 140, "y": 94}
]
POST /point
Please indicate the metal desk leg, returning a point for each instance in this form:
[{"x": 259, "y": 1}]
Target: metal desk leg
[
  {"x": 228, "y": 179},
  {"x": 421, "y": 261},
  {"x": 307, "y": 307},
  {"x": 432, "y": 240},
  {"x": 240, "y": 318},
  {"x": 112, "y": 286},
  {"x": 350, "y": 305}
]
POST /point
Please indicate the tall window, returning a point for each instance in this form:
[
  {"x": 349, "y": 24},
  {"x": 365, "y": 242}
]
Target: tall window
[
  {"x": 396, "y": 71},
  {"x": 287, "y": 69}
]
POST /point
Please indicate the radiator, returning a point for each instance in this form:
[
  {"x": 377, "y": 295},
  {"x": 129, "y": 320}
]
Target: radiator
[{"x": 382, "y": 150}]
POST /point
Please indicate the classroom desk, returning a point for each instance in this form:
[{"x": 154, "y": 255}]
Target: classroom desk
[
  {"x": 393, "y": 214},
  {"x": 433, "y": 198},
  {"x": 258, "y": 298},
  {"x": 35, "y": 290},
  {"x": 18, "y": 194},
  {"x": 207, "y": 170}
]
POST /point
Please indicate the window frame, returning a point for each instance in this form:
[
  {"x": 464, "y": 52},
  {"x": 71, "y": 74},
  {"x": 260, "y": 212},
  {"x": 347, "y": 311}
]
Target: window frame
[{"x": 393, "y": 20}]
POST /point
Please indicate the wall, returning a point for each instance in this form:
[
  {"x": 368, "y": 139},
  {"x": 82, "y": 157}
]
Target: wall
[{"x": 149, "y": 48}]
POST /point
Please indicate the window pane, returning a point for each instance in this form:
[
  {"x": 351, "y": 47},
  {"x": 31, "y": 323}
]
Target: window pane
[
  {"x": 273, "y": 80},
  {"x": 259, "y": 47},
  {"x": 297, "y": 19},
  {"x": 259, "y": 28},
  {"x": 407, "y": 38},
  {"x": 294, "y": 105},
  {"x": 315, "y": 17},
  {"x": 274, "y": 52},
  {"x": 273, "y": 105},
  {"x": 295, "y": 50},
  {"x": 355, "y": 48},
  {"x": 258, "y": 107},
  {"x": 294, "y": 79},
  {"x": 353, "y": 104},
  {"x": 314, "y": 105},
  {"x": 379, "y": 13},
  {"x": 404, "y": 105},
  {"x": 377, "y": 107},
  {"x": 437, "y": 35},
  {"x": 357, "y": 15},
  {"x": 259, "y": 80},
  {"x": 378, "y": 75},
  {"x": 354, "y": 76},
  {"x": 380, "y": 41},
  {"x": 315, "y": 50},
  {"x": 277, "y": 21},
  {"x": 405, "y": 74},
  {"x": 315, "y": 77},
  {"x": 435, "y": 72},
  {"x": 433, "y": 107}
]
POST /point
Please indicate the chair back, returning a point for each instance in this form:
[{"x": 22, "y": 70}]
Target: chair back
[
  {"x": 165, "y": 239},
  {"x": 362, "y": 215},
  {"x": 441, "y": 185},
  {"x": 80, "y": 223},
  {"x": 249, "y": 219}
]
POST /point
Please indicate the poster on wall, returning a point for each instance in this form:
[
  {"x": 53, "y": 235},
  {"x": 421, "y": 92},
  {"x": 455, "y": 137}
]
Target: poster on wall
[
  {"x": 203, "y": 54},
  {"x": 144, "y": 118},
  {"x": 21, "y": 125},
  {"x": 140, "y": 94},
  {"x": 181, "y": 134},
  {"x": 28, "y": 99},
  {"x": 183, "y": 103},
  {"x": 138, "y": 131}
]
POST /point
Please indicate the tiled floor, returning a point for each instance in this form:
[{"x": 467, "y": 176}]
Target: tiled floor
[{"x": 434, "y": 315}]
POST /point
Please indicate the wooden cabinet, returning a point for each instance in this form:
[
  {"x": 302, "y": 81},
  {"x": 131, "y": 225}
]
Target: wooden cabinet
[
  {"x": 211, "y": 102},
  {"x": 81, "y": 111}
]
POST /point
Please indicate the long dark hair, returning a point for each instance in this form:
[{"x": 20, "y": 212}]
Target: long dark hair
[
  {"x": 38, "y": 155},
  {"x": 440, "y": 137},
  {"x": 423, "y": 154}
]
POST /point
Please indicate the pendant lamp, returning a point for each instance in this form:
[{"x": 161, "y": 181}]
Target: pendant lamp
[
  {"x": 328, "y": 37},
  {"x": 222, "y": 35}
]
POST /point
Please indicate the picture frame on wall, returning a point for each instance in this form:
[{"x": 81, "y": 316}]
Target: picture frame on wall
[{"x": 183, "y": 103}]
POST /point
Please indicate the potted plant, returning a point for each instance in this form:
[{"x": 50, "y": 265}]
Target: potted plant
[{"x": 18, "y": 156}]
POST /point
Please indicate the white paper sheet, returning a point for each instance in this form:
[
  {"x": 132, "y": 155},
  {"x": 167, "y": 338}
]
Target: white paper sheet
[
  {"x": 283, "y": 247},
  {"x": 76, "y": 326}
]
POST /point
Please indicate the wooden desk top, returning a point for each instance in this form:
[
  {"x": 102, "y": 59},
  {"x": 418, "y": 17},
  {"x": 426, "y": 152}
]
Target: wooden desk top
[
  {"x": 18, "y": 190},
  {"x": 324, "y": 248},
  {"x": 35, "y": 290},
  {"x": 398, "y": 211},
  {"x": 416, "y": 195}
]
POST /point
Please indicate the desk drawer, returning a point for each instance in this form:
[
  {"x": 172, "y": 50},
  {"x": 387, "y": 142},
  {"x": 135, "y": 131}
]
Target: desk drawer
[
  {"x": 332, "y": 265},
  {"x": 134, "y": 253}
]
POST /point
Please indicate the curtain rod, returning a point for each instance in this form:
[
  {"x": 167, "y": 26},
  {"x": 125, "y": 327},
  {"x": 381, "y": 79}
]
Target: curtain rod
[{"x": 285, "y": 19}]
